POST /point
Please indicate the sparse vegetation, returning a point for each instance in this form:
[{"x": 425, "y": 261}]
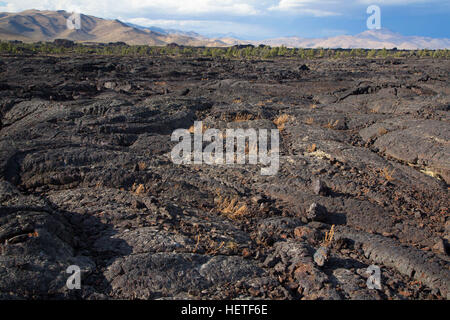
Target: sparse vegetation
[
  {"x": 388, "y": 174},
  {"x": 312, "y": 148},
  {"x": 281, "y": 120},
  {"x": 243, "y": 117},
  {"x": 192, "y": 128},
  {"x": 142, "y": 165},
  {"x": 231, "y": 206},
  {"x": 328, "y": 237},
  {"x": 234, "y": 52},
  {"x": 34, "y": 234},
  {"x": 332, "y": 124},
  {"x": 310, "y": 120},
  {"x": 211, "y": 247},
  {"x": 138, "y": 188}
]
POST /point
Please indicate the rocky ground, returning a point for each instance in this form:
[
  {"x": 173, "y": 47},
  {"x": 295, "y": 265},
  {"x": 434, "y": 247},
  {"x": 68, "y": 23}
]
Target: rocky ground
[{"x": 86, "y": 179}]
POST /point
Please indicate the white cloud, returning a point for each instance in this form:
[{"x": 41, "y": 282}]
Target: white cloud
[
  {"x": 395, "y": 2},
  {"x": 200, "y": 8},
  {"x": 174, "y": 7},
  {"x": 305, "y": 7}
]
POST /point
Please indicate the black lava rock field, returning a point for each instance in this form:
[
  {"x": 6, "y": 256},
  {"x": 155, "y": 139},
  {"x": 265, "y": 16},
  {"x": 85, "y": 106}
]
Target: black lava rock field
[{"x": 87, "y": 179}]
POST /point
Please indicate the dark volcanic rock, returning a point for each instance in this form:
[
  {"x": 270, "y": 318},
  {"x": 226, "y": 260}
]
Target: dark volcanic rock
[
  {"x": 321, "y": 256},
  {"x": 317, "y": 212},
  {"x": 320, "y": 188},
  {"x": 86, "y": 179}
]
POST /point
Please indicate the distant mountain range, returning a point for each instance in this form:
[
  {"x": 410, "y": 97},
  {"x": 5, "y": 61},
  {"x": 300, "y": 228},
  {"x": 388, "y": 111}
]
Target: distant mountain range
[
  {"x": 166, "y": 31},
  {"x": 371, "y": 39},
  {"x": 35, "y": 25}
]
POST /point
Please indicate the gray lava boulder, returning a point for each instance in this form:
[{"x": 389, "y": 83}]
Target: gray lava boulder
[
  {"x": 319, "y": 187},
  {"x": 321, "y": 256}
]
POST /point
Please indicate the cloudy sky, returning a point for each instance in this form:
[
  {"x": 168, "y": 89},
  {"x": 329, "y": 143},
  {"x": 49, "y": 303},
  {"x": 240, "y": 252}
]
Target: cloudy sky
[{"x": 260, "y": 19}]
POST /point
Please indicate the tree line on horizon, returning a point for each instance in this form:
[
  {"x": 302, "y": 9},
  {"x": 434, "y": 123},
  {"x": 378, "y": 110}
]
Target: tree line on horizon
[{"x": 61, "y": 46}]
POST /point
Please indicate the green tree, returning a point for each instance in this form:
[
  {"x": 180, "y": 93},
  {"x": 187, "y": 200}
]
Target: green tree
[{"x": 372, "y": 53}]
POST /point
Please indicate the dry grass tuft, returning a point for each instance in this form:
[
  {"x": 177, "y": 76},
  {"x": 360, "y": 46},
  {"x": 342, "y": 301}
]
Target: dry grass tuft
[
  {"x": 312, "y": 148},
  {"x": 231, "y": 207},
  {"x": 231, "y": 245},
  {"x": 281, "y": 120},
  {"x": 331, "y": 124},
  {"x": 204, "y": 128},
  {"x": 208, "y": 245},
  {"x": 243, "y": 117},
  {"x": 33, "y": 235},
  {"x": 328, "y": 237},
  {"x": 214, "y": 248},
  {"x": 309, "y": 121},
  {"x": 142, "y": 165},
  {"x": 138, "y": 189},
  {"x": 197, "y": 243},
  {"x": 388, "y": 175}
]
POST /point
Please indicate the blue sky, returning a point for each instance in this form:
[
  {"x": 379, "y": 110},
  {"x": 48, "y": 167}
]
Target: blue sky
[{"x": 261, "y": 19}]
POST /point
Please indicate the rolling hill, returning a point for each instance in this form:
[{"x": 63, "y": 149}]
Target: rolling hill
[
  {"x": 371, "y": 39},
  {"x": 35, "y": 25}
]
